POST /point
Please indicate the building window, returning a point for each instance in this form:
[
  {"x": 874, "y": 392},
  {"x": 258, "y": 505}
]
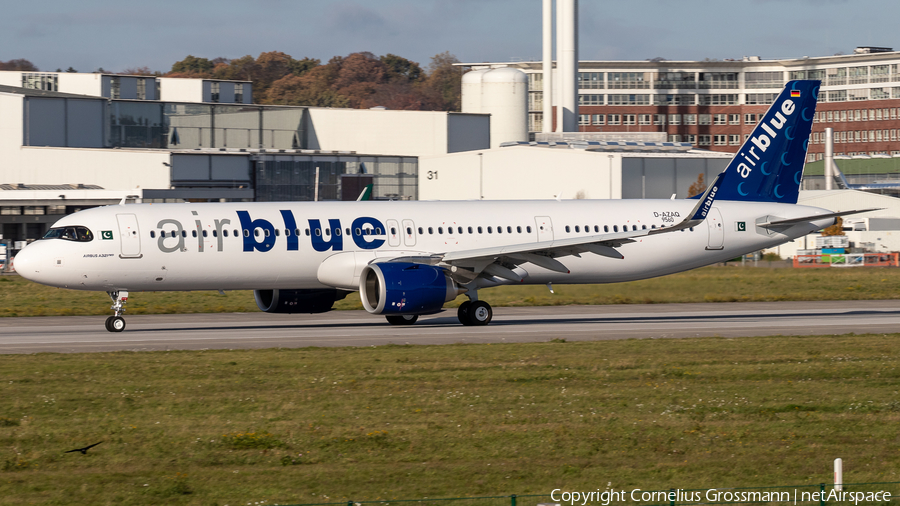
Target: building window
[
  {"x": 239, "y": 93},
  {"x": 115, "y": 87},
  {"x": 690, "y": 138},
  {"x": 837, "y": 96},
  {"x": 704, "y": 140},
  {"x": 592, "y": 99},
  {"x": 879, "y": 93},
  {"x": 720, "y": 140},
  {"x": 716, "y": 99},
  {"x": 674, "y": 119},
  {"x": 858, "y": 75},
  {"x": 613, "y": 119},
  {"x": 764, "y": 79},
  {"x": 720, "y": 119},
  {"x": 675, "y": 80},
  {"x": 734, "y": 140},
  {"x": 836, "y": 77},
  {"x": 629, "y": 119},
  {"x": 718, "y": 80},
  {"x": 705, "y": 119},
  {"x": 734, "y": 119},
  {"x": 690, "y": 119},
  {"x": 645, "y": 119},
  {"x": 599, "y": 119},
  {"x": 674, "y": 99},
  {"x": 675, "y": 138},
  {"x": 45, "y": 82},
  {"x": 590, "y": 80},
  {"x": 214, "y": 91},
  {"x": 749, "y": 119},
  {"x": 628, "y": 100},
  {"x": 141, "y": 89},
  {"x": 659, "y": 119},
  {"x": 760, "y": 98},
  {"x": 584, "y": 119},
  {"x": 627, "y": 80}
]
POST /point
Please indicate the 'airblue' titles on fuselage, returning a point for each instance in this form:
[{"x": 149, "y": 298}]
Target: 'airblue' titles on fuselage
[{"x": 260, "y": 234}]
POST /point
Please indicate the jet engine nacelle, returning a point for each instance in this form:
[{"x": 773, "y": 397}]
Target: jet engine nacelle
[
  {"x": 298, "y": 301},
  {"x": 405, "y": 288}
]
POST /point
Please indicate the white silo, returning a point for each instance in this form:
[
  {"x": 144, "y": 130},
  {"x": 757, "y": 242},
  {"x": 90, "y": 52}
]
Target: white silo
[
  {"x": 504, "y": 95},
  {"x": 471, "y": 90}
]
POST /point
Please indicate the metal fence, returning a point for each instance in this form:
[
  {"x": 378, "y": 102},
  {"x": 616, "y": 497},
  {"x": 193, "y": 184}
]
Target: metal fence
[{"x": 875, "y": 493}]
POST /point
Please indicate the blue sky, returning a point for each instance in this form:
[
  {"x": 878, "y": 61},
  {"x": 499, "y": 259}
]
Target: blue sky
[{"x": 124, "y": 34}]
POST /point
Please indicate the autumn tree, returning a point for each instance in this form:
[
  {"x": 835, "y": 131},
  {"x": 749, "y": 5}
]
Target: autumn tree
[
  {"x": 697, "y": 187},
  {"x": 18, "y": 64},
  {"x": 836, "y": 229}
]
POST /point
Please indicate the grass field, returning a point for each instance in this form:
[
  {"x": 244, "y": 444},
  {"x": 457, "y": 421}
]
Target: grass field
[
  {"x": 319, "y": 425},
  {"x": 19, "y": 297}
]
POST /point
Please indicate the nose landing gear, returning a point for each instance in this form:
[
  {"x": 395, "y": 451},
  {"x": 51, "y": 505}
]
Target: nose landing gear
[{"x": 116, "y": 323}]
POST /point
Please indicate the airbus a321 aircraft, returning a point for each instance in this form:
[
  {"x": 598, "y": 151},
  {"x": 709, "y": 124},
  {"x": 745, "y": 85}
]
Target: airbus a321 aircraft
[{"x": 408, "y": 258}]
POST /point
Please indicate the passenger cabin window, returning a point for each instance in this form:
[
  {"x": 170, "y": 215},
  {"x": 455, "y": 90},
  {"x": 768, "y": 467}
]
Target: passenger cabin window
[
  {"x": 528, "y": 229},
  {"x": 459, "y": 230},
  {"x": 479, "y": 230},
  {"x": 75, "y": 233},
  {"x": 184, "y": 233},
  {"x": 606, "y": 228},
  {"x": 615, "y": 228},
  {"x": 577, "y": 228},
  {"x": 430, "y": 230},
  {"x": 152, "y": 234},
  {"x": 204, "y": 233},
  {"x": 420, "y": 230},
  {"x": 440, "y": 230},
  {"x": 567, "y": 229},
  {"x": 519, "y": 229}
]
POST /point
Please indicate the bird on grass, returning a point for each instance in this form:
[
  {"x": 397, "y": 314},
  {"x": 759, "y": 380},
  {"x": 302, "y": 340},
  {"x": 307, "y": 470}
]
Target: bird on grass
[{"x": 83, "y": 450}]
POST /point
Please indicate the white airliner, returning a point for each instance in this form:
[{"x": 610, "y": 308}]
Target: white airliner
[{"x": 408, "y": 258}]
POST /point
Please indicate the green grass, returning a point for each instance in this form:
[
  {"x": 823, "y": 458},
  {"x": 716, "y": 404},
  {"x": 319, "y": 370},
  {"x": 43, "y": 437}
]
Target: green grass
[
  {"x": 319, "y": 425},
  {"x": 19, "y": 297}
]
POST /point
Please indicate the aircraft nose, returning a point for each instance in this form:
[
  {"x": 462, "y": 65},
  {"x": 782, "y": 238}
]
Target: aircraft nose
[{"x": 27, "y": 262}]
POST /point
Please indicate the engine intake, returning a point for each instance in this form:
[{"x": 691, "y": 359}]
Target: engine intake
[
  {"x": 298, "y": 301},
  {"x": 405, "y": 288}
]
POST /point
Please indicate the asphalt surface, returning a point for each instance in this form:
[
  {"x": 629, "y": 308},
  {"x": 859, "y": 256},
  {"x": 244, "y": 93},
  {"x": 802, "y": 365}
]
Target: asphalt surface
[{"x": 69, "y": 334}]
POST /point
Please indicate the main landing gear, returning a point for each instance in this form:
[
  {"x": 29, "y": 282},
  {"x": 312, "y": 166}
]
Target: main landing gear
[
  {"x": 470, "y": 313},
  {"x": 116, "y": 323},
  {"x": 475, "y": 313}
]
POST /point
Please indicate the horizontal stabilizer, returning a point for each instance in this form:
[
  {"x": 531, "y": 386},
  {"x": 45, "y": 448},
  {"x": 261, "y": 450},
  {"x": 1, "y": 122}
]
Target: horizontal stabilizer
[{"x": 803, "y": 219}]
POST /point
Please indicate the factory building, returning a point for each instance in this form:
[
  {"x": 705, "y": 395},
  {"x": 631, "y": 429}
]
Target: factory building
[
  {"x": 125, "y": 87},
  {"x": 714, "y": 105}
]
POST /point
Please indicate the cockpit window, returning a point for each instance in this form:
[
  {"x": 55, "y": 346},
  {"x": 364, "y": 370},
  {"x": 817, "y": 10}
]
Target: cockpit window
[{"x": 77, "y": 233}]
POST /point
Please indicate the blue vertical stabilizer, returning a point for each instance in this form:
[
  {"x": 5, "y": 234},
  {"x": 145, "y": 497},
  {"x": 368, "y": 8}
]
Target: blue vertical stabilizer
[{"x": 769, "y": 165}]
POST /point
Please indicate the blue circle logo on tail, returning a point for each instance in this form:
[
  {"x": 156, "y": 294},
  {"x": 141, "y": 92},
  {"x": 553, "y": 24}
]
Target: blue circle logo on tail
[
  {"x": 787, "y": 133},
  {"x": 803, "y": 114},
  {"x": 775, "y": 191},
  {"x": 762, "y": 168},
  {"x": 815, "y": 92},
  {"x": 797, "y": 177},
  {"x": 783, "y": 161},
  {"x": 806, "y": 145},
  {"x": 742, "y": 192}
]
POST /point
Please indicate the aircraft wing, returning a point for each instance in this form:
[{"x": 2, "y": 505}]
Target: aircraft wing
[{"x": 499, "y": 261}]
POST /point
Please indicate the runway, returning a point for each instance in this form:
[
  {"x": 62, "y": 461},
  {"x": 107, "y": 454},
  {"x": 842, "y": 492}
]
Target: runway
[{"x": 68, "y": 334}]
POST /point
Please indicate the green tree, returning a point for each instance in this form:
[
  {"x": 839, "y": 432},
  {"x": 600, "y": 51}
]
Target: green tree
[
  {"x": 192, "y": 65},
  {"x": 444, "y": 83},
  {"x": 399, "y": 68}
]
